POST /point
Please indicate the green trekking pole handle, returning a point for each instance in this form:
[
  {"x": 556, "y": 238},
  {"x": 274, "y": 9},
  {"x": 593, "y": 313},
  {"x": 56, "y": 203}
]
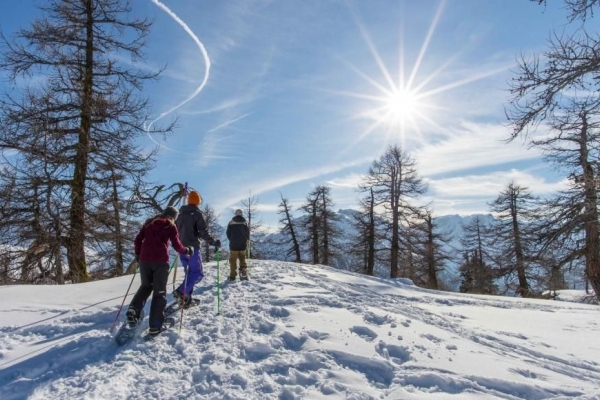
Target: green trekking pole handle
[
  {"x": 218, "y": 283},
  {"x": 173, "y": 264}
]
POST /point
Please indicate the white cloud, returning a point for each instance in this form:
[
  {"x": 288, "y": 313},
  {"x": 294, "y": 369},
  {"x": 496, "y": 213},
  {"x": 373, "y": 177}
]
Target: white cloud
[
  {"x": 490, "y": 185},
  {"x": 471, "y": 194},
  {"x": 348, "y": 181},
  {"x": 472, "y": 145},
  {"x": 287, "y": 179}
]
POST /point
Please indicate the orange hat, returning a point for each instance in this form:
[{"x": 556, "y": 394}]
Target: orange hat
[{"x": 194, "y": 198}]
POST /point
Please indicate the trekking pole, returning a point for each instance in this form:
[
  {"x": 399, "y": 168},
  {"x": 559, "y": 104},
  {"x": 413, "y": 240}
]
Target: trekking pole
[
  {"x": 176, "y": 262},
  {"x": 126, "y": 294},
  {"x": 218, "y": 283},
  {"x": 183, "y": 297},
  {"x": 173, "y": 264},
  {"x": 248, "y": 254},
  {"x": 185, "y": 193},
  {"x": 180, "y": 202}
]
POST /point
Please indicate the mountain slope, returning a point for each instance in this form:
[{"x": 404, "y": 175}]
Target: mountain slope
[{"x": 298, "y": 331}]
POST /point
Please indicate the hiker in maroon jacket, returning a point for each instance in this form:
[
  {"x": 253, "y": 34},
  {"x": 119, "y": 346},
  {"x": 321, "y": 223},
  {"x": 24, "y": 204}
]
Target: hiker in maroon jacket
[{"x": 152, "y": 252}]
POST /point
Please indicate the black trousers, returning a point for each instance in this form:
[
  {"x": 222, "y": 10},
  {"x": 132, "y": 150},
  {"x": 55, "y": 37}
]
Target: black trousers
[{"x": 154, "y": 280}]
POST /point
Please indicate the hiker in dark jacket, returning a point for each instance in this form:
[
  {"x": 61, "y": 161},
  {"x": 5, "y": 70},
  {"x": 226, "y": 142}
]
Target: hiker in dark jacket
[
  {"x": 192, "y": 228},
  {"x": 238, "y": 235},
  {"x": 152, "y": 253}
]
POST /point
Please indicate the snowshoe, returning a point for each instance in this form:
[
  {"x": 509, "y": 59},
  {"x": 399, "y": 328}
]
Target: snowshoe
[
  {"x": 127, "y": 332},
  {"x": 151, "y": 333}
]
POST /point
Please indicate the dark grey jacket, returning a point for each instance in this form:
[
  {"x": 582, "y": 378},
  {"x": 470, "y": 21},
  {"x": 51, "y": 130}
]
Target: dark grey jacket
[
  {"x": 238, "y": 233},
  {"x": 192, "y": 226}
]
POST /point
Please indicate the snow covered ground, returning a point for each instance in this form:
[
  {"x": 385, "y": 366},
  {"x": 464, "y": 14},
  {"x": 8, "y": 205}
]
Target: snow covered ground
[{"x": 299, "y": 332}]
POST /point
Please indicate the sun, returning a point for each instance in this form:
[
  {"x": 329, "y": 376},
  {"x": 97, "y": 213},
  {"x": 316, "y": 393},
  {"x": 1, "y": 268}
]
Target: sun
[
  {"x": 401, "y": 106},
  {"x": 396, "y": 109},
  {"x": 404, "y": 105}
]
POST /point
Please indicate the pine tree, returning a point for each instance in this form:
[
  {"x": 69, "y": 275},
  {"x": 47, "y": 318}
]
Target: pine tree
[
  {"x": 330, "y": 234},
  {"x": 477, "y": 243},
  {"x": 321, "y": 234},
  {"x": 395, "y": 182},
  {"x": 288, "y": 230},
  {"x": 365, "y": 223},
  {"x": 559, "y": 91},
  {"x": 433, "y": 251},
  {"x": 75, "y": 133},
  {"x": 466, "y": 275},
  {"x": 310, "y": 225},
  {"x": 515, "y": 210}
]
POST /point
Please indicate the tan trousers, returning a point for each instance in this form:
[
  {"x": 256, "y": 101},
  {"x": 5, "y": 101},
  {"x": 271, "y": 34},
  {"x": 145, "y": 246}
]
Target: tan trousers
[{"x": 235, "y": 255}]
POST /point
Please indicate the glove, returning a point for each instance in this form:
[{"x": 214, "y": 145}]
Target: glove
[
  {"x": 217, "y": 244},
  {"x": 190, "y": 251},
  {"x": 137, "y": 258}
]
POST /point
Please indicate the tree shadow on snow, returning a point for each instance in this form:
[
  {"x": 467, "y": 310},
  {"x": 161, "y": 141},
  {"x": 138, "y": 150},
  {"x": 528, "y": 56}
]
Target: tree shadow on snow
[{"x": 62, "y": 354}]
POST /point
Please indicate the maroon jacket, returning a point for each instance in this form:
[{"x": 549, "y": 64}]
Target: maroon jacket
[{"x": 152, "y": 243}]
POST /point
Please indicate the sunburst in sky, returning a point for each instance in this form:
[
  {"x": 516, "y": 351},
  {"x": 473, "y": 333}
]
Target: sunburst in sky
[{"x": 403, "y": 105}]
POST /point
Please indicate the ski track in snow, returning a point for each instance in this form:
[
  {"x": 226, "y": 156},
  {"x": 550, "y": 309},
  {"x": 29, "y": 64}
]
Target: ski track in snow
[{"x": 298, "y": 332}]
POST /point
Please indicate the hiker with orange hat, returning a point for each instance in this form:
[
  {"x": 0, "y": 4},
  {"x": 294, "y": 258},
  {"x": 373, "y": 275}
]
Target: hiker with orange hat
[{"x": 192, "y": 227}]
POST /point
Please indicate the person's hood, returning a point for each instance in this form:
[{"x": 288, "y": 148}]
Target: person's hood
[
  {"x": 189, "y": 209},
  {"x": 160, "y": 223},
  {"x": 238, "y": 218}
]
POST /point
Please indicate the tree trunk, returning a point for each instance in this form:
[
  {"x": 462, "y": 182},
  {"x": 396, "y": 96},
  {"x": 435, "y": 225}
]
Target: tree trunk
[
  {"x": 325, "y": 233},
  {"x": 592, "y": 256},
  {"x": 371, "y": 237},
  {"x": 76, "y": 244},
  {"x": 315, "y": 232},
  {"x": 119, "y": 250},
  {"x": 295, "y": 243},
  {"x": 395, "y": 248},
  {"x": 315, "y": 238},
  {"x": 431, "y": 271},
  {"x": 58, "y": 267},
  {"x": 520, "y": 260}
]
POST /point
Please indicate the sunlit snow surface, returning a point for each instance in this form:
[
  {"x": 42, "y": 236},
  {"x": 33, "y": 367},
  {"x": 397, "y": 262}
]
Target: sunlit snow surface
[{"x": 297, "y": 331}]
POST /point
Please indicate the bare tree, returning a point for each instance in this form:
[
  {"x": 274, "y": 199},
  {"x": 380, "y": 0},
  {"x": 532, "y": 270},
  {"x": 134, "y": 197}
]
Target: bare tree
[
  {"x": 434, "y": 252},
  {"x": 579, "y": 9},
  {"x": 565, "y": 96},
  {"x": 85, "y": 115},
  {"x": 477, "y": 245},
  {"x": 249, "y": 206},
  {"x": 330, "y": 234},
  {"x": 515, "y": 210},
  {"x": 395, "y": 182},
  {"x": 322, "y": 234},
  {"x": 213, "y": 228},
  {"x": 31, "y": 224},
  {"x": 310, "y": 225},
  {"x": 288, "y": 229},
  {"x": 146, "y": 202},
  {"x": 366, "y": 228}
]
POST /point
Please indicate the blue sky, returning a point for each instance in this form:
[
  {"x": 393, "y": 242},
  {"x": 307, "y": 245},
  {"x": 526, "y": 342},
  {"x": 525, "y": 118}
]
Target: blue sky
[{"x": 281, "y": 96}]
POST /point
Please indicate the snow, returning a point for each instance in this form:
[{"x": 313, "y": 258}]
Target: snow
[{"x": 298, "y": 331}]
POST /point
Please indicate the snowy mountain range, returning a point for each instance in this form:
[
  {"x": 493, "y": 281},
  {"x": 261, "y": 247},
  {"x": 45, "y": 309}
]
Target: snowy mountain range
[{"x": 297, "y": 331}]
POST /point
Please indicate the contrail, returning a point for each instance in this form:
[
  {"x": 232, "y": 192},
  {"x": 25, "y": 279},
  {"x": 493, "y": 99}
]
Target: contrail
[
  {"x": 223, "y": 125},
  {"x": 206, "y": 71}
]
